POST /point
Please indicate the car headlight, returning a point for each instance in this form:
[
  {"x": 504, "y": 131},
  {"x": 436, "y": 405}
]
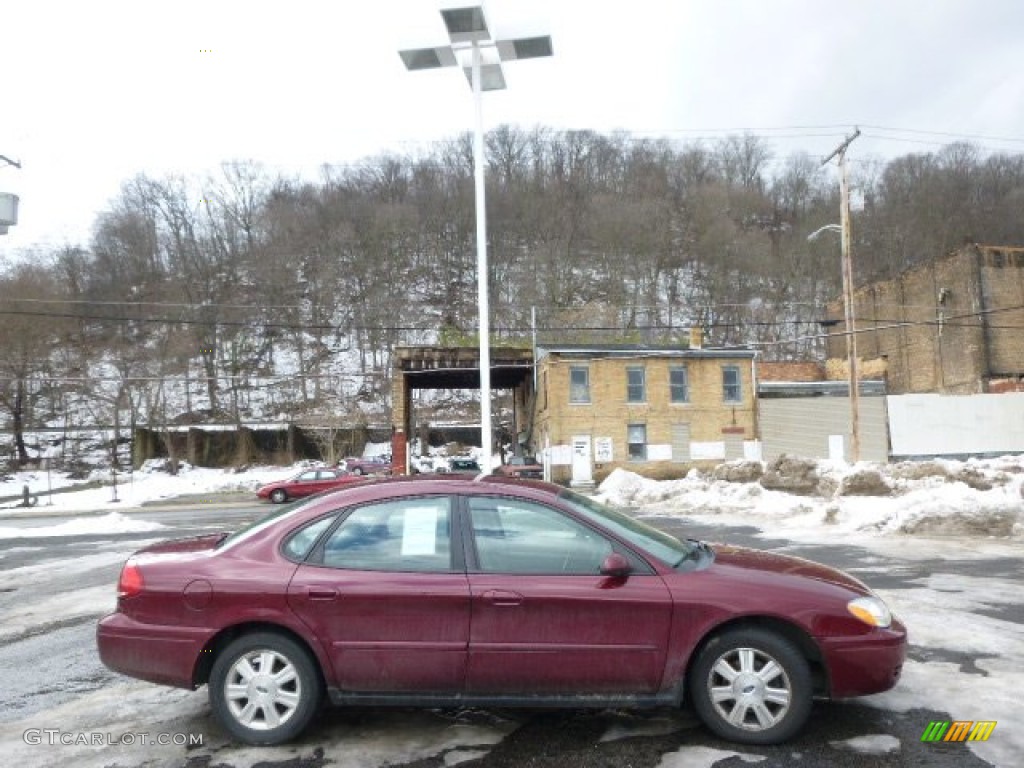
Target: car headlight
[{"x": 871, "y": 610}]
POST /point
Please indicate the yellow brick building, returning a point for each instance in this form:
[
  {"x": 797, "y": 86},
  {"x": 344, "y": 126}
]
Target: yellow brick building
[{"x": 655, "y": 411}]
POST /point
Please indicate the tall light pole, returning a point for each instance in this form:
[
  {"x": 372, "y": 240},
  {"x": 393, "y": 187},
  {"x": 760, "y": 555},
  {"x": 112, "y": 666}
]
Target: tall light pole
[
  {"x": 8, "y": 202},
  {"x": 848, "y": 310},
  {"x": 470, "y": 41}
]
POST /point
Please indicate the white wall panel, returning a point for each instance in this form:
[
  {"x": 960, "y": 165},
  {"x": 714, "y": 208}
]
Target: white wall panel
[{"x": 936, "y": 425}]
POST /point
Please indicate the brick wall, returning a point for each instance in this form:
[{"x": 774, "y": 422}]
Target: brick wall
[
  {"x": 945, "y": 326},
  {"x": 1001, "y": 274},
  {"x": 805, "y": 371}
]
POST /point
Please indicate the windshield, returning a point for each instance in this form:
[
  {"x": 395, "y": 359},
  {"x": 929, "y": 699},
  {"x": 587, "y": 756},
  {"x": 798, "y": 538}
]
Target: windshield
[{"x": 665, "y": 547}]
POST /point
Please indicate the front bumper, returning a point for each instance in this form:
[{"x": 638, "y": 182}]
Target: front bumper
[{"x": 865, "y": 664}]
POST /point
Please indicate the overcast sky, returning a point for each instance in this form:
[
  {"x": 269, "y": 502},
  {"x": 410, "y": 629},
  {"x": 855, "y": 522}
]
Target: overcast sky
[{"x": 93, "y": 92}]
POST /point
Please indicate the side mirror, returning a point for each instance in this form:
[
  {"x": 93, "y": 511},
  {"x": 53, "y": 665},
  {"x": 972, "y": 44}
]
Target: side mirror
[{"x": 616, "y": 565}]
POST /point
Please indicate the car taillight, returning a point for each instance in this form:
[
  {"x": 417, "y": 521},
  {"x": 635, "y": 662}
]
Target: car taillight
[{"x": 130, "y": 583}]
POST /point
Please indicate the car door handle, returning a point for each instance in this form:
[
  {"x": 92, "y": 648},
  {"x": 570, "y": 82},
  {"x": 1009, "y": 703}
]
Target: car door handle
[
  {"x": 321, "y": 593},
  {"x": 502, "y": 597}
]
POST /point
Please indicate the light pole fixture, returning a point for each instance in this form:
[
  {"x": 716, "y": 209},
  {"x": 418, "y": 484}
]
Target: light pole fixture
[
  {"x": 480, "y": 58},
  {"x": 8, "y": 202},
  {"x": 826, "y": 228}
]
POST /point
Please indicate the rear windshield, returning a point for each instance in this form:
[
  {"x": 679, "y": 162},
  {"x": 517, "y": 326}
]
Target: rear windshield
[{"x": 262, "y": 522}]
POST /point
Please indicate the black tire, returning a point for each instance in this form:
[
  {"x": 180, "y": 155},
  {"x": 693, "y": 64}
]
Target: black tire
[
  {"x": 358, "y": 471},
  {"x": 279, "y": 496},
  {"x": 250, "y": 665},
  {"x": 769, "y": 696}
]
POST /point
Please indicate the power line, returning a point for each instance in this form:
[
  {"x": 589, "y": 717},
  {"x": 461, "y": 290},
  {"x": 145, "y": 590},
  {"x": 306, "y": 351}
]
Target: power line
[
  {"x": 979, "y": 137},
  {"x": 165, "y": 304},
  {"x": 523, "y": 329}
]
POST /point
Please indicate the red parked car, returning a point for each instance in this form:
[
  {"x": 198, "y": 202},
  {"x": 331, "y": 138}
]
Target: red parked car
[
  {"x": 373, "y": 465},
  {"x": 306, "y": 483},
  {"x": 521, "y": 467},
  {"x": 497, "y": 592}
]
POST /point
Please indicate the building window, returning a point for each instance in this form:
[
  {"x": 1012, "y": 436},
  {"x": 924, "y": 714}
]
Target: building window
[
  {"x": 636, "y": 389},
  {"x": 679, "y": 384},
  {"x": 636, "y": 439},
  {"x": 579, "y": 384},
  {"x": 731, "y": 389}
]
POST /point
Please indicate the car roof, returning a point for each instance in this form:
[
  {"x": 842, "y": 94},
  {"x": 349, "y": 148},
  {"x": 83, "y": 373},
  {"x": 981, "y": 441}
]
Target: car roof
[{"x": 411, "y": 485}]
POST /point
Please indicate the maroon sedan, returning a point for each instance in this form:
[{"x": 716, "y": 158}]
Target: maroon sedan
[
  {"x": 306, "y": 483},
  {"x": 373, "y": 465},
  {"x": 521, "y": 467},
  {"x": 492, "y": 592}
]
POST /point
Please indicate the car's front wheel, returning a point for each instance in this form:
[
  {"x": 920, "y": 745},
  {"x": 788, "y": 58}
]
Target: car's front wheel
[
  {"x": 278, "y": 496},
  {"x": 752, "y": 686},
  {"x": 264, "y": 688},
  {"x": 358, "y": 471}
]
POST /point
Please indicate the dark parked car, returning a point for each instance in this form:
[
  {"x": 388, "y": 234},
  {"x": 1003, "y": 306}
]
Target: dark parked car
[
  {"x": 306, "y": 483},
  {"x": 460, "y": 466},
  {"x": 521, "y": 467},
  {"x": 373, "y": 465},
  {"x": 458, "y": 591}
]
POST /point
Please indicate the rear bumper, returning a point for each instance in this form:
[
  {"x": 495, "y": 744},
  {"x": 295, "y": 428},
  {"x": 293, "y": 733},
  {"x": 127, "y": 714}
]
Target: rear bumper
[
  {"x": 154, "y": 652},
  {"x": 865, "y": 664}
]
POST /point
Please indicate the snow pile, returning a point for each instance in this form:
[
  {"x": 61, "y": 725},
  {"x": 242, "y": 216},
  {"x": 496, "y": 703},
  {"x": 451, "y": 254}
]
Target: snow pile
[
  {"x": 104, "y": 524},
  {"x": 792, "y": 495}
]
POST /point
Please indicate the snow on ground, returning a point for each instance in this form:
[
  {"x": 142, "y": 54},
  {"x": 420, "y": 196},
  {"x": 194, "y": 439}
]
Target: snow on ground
[
  {"x": 930, "y": 504},
  {"x": 109, "y": 523},
  {"x": 78, "y": 603},
  {"x": 69, "y": 566},
  {"x": 985, "y": 681},
  {"x": 870, "y": 744},
  {"x": 152, "y": 483},
  {"x": 704, "y": 757}
]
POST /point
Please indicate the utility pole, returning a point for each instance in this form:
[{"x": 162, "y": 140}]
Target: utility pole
[{"x": 848, "y": 311}]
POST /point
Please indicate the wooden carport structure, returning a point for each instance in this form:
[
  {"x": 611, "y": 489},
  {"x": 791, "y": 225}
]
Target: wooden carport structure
[{"x": 454, "y": 368}]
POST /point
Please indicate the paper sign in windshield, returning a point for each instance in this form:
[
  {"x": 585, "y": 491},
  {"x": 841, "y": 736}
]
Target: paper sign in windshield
[{"x": 419, "y": 531}]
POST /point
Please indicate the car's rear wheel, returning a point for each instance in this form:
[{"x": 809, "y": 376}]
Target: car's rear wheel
[
  {"x": 279, "y": 496},
  {"x": 264, "y": 688},
  {"x": 752, "y": 686},
  {"x": 358, "y": 471}
]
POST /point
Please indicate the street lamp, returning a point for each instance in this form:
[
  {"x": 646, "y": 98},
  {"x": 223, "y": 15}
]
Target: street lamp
[
  {"x": 826, "y": 228},
  {"x": 470, "y": 41},
  {"x": 8, "y": 202}
]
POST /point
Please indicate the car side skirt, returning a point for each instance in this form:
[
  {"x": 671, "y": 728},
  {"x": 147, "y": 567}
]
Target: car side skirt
[{"x": 555, "y": 701}]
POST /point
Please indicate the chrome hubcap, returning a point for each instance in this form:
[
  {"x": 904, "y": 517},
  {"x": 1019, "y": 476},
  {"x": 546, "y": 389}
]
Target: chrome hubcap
[
  {"x": 262, "y": 690},
  {"x": 749, "y": 689}
]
